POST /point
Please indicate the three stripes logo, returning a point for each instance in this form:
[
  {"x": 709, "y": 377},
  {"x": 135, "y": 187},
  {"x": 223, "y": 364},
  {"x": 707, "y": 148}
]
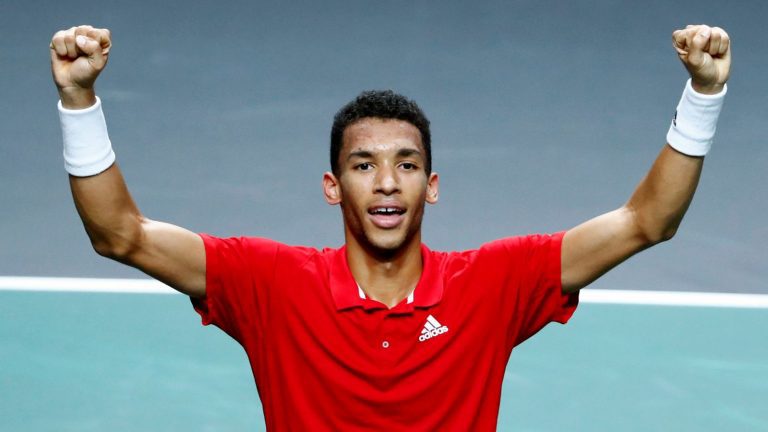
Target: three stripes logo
[{"x": 431, "y": 329}]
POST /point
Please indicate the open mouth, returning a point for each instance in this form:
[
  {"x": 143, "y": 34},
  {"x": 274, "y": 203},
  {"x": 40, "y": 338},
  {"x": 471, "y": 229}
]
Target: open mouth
[
  {"x": 386, "y": 211},
  {"x": 386, "y": 216}
]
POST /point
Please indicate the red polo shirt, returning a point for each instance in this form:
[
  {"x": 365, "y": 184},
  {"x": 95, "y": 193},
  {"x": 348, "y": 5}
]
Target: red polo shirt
[{"x": 324, "y": 357}]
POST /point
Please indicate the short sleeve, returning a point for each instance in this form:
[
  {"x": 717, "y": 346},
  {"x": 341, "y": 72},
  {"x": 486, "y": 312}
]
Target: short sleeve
[
  {"x": 238, "y": 273},
  {"x": 530, "y": 281}
]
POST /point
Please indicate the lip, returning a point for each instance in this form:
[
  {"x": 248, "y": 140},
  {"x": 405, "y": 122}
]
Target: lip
[{"x": 386, "y": 221}]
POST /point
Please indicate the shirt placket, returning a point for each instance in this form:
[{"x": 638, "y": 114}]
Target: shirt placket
[{"x": 392, "y": 337}]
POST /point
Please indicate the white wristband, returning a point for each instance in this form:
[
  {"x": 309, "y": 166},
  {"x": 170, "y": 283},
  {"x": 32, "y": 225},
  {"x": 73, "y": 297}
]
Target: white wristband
[
  {"x": 693, "y": 128},
  {"x": 87, "y": 149}
]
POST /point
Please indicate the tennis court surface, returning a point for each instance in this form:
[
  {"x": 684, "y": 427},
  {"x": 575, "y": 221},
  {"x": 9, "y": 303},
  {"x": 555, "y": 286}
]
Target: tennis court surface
[{"x": 128, "y": 356}]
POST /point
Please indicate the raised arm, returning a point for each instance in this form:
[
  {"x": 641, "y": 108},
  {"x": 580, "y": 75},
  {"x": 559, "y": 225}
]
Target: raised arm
[
  {"x": 657, "y": 206},
  {"x": 112, "y": 220}
]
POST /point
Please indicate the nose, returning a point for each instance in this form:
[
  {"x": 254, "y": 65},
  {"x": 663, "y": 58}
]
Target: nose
[{"x": 387, "y": 181}]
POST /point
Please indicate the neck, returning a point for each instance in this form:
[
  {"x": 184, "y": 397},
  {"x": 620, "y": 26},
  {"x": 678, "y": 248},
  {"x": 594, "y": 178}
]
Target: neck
[{"x": 386, "y": 278}]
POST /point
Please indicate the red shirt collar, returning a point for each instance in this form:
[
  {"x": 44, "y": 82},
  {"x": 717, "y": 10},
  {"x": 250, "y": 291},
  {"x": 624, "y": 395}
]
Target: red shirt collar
[{"x": 346, "y": 292}]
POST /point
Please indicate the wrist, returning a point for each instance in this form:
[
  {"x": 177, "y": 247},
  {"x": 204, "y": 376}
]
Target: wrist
[
  {"x": 77, "y": 98},
  {"x": 707, "y": 89}
]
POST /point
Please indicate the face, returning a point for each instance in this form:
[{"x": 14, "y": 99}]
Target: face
[{"x": 382, "y": 185}]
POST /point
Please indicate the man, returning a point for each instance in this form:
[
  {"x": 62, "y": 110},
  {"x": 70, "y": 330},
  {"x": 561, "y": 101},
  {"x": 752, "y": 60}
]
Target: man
[{"x": 383, "y": 333}]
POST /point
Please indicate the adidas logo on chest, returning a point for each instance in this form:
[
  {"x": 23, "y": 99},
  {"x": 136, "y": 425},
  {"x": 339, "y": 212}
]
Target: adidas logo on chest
[{"x": 432, "y": 328}]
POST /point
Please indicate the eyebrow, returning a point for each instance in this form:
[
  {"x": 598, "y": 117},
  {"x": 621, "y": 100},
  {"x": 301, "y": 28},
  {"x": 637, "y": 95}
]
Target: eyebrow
[
  {"x": 408, "y": 152},
  {"x": 365, "y": 154}
]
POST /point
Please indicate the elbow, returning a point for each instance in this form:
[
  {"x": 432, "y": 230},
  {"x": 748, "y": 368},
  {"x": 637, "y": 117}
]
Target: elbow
[
  {"x": 649, "y": 230},
  {"x": 654, "y": 235},
  {"x": 660, "y": 236},
  {"x": 102, "y": 248},
  {"x": 114, "y": 250},
  {"x": 118, "y": 245}
]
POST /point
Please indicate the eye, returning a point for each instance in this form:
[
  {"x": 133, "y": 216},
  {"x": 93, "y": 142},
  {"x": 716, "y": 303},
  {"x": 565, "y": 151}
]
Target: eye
[
  {"x": 408, "y": 166},
  {"x": 365, "y": 166}
]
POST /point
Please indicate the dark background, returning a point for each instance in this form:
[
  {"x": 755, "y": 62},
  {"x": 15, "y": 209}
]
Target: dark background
[{"x": 544, "y": 114}]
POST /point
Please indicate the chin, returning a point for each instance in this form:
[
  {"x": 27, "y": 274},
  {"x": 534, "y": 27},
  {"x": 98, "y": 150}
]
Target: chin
[{"x": 388, "y": 245}]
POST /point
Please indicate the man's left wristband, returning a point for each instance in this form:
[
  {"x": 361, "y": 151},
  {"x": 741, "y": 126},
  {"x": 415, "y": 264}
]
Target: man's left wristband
[{"x": 87, "y": 149}]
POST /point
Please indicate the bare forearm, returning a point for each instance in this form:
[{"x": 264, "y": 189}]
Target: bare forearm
[
  {"x": 663, "y": 196},
  {"x": 109, "y": 214}
]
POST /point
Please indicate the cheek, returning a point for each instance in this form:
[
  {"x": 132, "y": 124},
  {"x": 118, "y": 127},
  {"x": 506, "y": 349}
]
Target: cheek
[
  {"x": 353, "y": 191},
  {"x": 350, "y": 199}
]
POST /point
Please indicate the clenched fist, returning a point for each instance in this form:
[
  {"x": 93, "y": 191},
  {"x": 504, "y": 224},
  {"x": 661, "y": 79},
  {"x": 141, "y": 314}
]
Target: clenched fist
[
  {"x": 706, "y": 53},
  {"x": 78, "y": 55}
]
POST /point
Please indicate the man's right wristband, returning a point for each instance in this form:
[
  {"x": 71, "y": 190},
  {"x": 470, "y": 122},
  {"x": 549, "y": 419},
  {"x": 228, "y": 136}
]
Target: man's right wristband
[{"x": 87, "y": 149}]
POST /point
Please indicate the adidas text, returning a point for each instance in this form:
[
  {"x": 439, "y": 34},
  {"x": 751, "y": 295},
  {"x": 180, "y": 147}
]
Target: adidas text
[{"x": 433, "y": 333}]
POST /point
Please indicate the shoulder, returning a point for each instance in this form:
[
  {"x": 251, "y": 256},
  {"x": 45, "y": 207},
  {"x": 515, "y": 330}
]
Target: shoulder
[
  {"x": 524, "y": 243},
  {"x": 502, "y": 254},
  {"x": 247, "y": 248},
  {"x": 504, "y": 246}
]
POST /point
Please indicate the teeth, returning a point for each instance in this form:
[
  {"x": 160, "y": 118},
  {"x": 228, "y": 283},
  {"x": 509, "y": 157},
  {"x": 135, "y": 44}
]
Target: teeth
[{"x": 386, "y": 210}]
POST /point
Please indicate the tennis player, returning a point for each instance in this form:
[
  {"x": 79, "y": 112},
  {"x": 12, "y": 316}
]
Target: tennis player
[{"x": 382, "y": 333}]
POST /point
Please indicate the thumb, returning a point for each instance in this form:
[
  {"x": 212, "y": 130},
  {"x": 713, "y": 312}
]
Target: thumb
[
  {"x": 92, "y": 49},
  {"x": 697, "y": 54}
]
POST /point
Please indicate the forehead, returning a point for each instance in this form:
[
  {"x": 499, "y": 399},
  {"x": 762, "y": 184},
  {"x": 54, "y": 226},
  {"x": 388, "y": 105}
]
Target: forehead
[{"x": 379, "y": 135}]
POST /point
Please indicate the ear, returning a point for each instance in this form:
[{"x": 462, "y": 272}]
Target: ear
[
  {"x": 331, "y": 189},
  {"x": 433, "y": 183}
]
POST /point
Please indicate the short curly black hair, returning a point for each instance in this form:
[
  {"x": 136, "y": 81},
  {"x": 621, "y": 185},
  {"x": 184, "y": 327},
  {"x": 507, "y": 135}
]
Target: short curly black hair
[{"x": 384, "y": 104}]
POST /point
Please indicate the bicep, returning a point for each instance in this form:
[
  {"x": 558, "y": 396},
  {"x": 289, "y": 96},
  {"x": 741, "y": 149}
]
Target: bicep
[
  {"x": 593, "y": 248},
  {"x": 172, "y": 255}
]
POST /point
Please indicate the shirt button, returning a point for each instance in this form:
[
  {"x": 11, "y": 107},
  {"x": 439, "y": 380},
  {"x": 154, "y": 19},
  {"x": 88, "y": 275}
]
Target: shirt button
[{"x": 385, "y": 344}]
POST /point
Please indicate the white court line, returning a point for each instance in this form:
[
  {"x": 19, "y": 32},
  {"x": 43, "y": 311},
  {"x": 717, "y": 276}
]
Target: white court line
[
  {"x": 92, "y": 285},
  {"x": 675, "y": 298},
  {"x": 627, "y": 297}
]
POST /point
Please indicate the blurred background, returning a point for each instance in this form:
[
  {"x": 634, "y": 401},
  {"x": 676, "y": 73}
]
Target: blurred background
[{"x": 544, "y": 114}]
